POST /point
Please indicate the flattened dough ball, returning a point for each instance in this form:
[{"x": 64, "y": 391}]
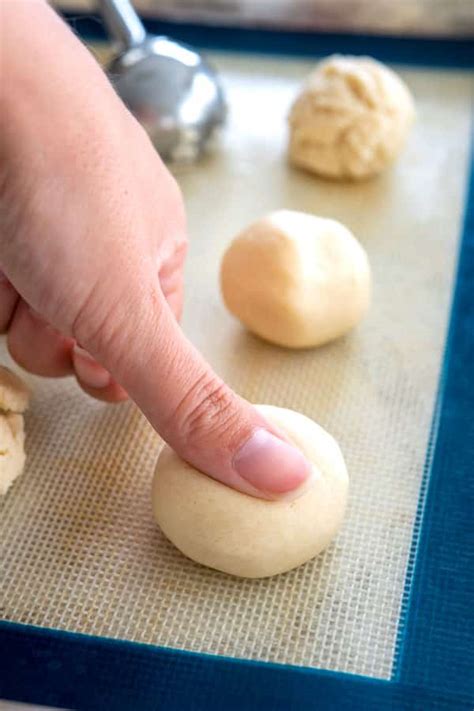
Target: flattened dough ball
[
  {"x": 351, "y": 118},
  {"x": 248, "y": 537},
  {"x": 296, "y": 280},
  {"x": 14, "y": 397}
]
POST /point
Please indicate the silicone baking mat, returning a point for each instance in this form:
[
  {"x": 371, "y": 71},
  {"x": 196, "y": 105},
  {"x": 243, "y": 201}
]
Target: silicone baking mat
[{"x": 79, "y": 550}]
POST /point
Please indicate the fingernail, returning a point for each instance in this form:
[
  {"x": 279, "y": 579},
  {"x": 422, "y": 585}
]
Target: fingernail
[
  {"x": 88, "y": 370},
  {"x": 270, "y": 464}
]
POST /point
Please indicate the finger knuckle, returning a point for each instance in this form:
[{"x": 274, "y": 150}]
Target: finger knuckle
[
  {"x": 100, "y": 326},
  {"x": 208, "y": 409}
]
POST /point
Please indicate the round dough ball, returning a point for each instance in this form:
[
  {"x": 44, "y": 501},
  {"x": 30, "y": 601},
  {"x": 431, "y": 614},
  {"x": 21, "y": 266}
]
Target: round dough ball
[
  {"x": 245, "y": 536},
  {"x": 296, "y": 280},
  {"x": 351, "y": 118}
]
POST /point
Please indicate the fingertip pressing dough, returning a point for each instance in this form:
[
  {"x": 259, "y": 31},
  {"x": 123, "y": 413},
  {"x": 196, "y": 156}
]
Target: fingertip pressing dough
[
  {"x": 351, "y": 118},
  {"x": 248, "y": 537},
  {"x": 295, "y": 279},
  {"x": 14, "y": 397}
]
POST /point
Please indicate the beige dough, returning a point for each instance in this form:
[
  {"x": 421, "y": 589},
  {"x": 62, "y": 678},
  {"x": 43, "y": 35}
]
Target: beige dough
[
  {"x": 12, "y": 452},
  {"x": 296, "y": 280},
  {"x": 351, "y": 118},
  {"x": 14, "y": 396},
  {"x": 245, "y": 536}
]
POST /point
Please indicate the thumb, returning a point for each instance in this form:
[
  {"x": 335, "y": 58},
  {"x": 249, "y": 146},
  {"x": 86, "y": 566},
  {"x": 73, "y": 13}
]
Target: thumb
[{"x": 199, "y": 416}]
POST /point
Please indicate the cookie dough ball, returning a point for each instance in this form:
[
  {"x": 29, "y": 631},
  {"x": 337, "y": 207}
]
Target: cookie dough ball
[
  {"x": 241, "y": 535},
  {"x": 12, "y": 451},
  {"x": 351, "y": 118},
  {"x": 296, "y": 280},
  {"x": 14, "y": 396}
]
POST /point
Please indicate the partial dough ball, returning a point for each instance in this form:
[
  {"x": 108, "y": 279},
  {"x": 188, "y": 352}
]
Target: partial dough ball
[
  {"x": 12, "y": 450},
  {"x": 14, "y": 394},
  {"x": 296, "y": 280},
  {"x": 248, "y": 537},
  {"x": 14, "y": 397},
  {"x": 351, "y": 118}
]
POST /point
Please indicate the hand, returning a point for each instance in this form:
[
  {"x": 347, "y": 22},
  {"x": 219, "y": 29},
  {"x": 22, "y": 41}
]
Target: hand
[{"x": 92, "y": 244}]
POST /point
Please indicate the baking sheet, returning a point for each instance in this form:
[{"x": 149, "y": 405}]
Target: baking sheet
[{"x": 78, "y": 546}]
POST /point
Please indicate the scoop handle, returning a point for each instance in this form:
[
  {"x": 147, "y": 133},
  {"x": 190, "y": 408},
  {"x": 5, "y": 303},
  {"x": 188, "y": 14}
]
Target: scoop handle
[{"x": 122, "y": 22}]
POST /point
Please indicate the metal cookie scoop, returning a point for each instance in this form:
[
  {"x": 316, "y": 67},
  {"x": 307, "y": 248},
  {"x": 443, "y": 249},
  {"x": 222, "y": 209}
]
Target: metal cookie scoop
[{"x": 167, "y": 85}]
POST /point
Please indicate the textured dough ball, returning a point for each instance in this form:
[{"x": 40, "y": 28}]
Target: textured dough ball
[
  {"x": 351, "y": 118},
  {"x": 245, "y": 536},
  {"x": 14, "y": 397},
  {"x": 296, "y": 280},
  {"x": 12, "y": 452},
  {"x": 14, "y": 394}
]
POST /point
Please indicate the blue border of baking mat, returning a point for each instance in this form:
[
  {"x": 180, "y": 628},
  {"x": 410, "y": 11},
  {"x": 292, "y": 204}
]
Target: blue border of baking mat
[{"x": 434, "y": 665}]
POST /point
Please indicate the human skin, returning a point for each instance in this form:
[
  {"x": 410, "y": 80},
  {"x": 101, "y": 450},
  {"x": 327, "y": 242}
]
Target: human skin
[{"x": 92, "y": 245}]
